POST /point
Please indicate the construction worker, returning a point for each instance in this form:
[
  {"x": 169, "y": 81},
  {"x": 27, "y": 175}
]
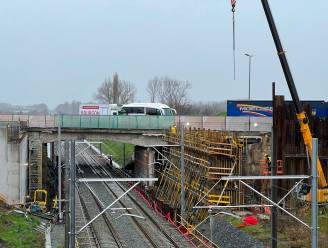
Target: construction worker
[{"x": 268, "y": 162}]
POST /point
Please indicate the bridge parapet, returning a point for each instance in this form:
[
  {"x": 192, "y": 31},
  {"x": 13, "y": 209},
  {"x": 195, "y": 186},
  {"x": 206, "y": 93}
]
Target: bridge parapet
[
  {"x": 134, "y": 122},
  {"x": 144, "y": 122},
  {"x": 257, "y": 124}
]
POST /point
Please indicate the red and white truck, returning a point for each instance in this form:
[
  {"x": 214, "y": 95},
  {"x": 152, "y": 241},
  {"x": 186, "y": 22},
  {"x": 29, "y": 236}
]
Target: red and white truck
[{"x": 99, "y": 109}]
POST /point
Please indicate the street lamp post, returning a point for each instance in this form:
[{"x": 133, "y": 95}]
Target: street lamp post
[
  {"x": 250, "y": 56},
  {"x": 249, "y": 84}
]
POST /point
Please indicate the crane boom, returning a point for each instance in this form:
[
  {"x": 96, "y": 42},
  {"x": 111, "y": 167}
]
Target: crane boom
[{"x": 300, "y": 113}]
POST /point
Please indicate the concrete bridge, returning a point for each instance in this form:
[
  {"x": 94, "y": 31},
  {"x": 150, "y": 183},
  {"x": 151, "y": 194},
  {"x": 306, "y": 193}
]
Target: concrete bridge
[
  {"x": 28, "y": 142},
  {"x": 136, "y": 130},
  {"x": 244, "y": 123}
]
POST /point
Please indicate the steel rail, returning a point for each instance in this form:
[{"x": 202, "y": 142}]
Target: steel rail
[
  {"x": 173, "y": 242},
  {"x": 85, "y": 211},
  {"x": 140, "y": 227},
  {"x": 89, "y": 160},
  {"x": 110, "y": 226}
]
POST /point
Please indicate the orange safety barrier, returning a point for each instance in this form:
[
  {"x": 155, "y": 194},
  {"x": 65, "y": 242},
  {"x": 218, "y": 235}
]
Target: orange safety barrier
[
  {"x": 155, "y": 207},
  {"x": 264, "y": 168},
  {"x": 184, "y": 231}
]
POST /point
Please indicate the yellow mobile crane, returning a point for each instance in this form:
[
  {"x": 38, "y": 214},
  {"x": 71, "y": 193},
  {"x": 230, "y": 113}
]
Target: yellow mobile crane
[{"x": 300, "y": 113}]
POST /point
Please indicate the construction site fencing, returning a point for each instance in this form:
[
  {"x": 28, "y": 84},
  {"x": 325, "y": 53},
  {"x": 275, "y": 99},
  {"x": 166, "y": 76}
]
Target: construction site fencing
[
  {"x": 226, "y": 123},
  {"x": 221, "y": 123}
]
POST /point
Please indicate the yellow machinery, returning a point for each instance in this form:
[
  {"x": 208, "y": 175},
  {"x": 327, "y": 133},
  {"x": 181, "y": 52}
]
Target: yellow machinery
[
  {"x": 39, "y": 199},
  {"x": 301, "y": 115},
  {"x": 307, "y": 137}
]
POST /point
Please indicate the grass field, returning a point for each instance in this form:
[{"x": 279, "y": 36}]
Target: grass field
[
  {"x": 290, "y": 232},
  {"x": 116, "y": 149},
  {"x": 17, "y": 231}
]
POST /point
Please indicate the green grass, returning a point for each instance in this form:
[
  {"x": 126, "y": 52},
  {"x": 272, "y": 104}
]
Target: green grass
[
  {"x": 116, "y": 150},
  {"x": 17, "y": 231},
  {"x": 258, "y": 231},
  {"x": 290, "y": 232}
]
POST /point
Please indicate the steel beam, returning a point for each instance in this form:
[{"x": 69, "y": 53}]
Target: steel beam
[
  {"x": 274, "y": 190},
  {"x": 314, "y": 191},
  {"x": 236, "y": 178},
  {"x": 60, "y": 212},
  {"x": 236, "y": 206},
  {"x": 67, "y": 193},
  {"x": 182, "y": 171},
  {"x": 72, "y": 196},
  {"x": 291, "y": 190},
  {"x": 110, "y": 179},
  {"x": 274, "y": 204}
]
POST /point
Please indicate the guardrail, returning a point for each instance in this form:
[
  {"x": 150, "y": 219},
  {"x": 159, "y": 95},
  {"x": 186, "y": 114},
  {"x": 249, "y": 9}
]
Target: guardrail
[{"x": 116, "y": 121}]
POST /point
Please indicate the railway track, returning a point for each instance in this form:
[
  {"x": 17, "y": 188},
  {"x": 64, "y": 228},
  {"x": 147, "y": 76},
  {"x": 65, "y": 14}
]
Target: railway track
[
  {"x": 137, "y": 226},
  {"x": 119, "y": 190},
  {"x": 149, "y": 234},
  {"x": 147, "y": 214},
  {"x": 87, "y": 237},
  {"x": 102, "y": 226}
]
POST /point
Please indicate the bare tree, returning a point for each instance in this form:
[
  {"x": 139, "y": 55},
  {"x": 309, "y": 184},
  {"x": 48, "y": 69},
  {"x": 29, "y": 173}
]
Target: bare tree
[
  {"x": 105, "y": 92},
  {"x": 116, "y": 91},
  {"x": 170, "y": 91},
  {"x": 154, "y": 88},
  {"x": 127, "y": 92}
]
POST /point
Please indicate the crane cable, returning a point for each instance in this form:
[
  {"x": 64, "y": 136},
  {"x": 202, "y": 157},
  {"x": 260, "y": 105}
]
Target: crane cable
[{"x": 233, "y": 5}]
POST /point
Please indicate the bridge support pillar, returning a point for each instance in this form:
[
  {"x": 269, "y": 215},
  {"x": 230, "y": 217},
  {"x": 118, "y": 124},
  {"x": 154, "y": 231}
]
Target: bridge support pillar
[{"x": 144, "y": 163}]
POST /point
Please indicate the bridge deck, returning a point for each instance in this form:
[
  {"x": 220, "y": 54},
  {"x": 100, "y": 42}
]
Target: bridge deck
[{"x": 254, "y": 124}]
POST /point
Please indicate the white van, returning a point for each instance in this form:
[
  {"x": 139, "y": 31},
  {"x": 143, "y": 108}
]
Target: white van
[{"x": 147, "y": 109}]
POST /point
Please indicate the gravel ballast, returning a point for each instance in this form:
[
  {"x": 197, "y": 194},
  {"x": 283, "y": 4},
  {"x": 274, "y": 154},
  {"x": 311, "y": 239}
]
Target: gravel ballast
[{"x": 227, "y": 236}]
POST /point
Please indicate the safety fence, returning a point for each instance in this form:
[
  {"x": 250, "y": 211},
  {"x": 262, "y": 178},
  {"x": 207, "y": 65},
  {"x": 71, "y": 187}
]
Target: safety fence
[
  {"x": 93, "y": 122},
  {"x": 116, "y": 121},
  {"x": 261, "y": 124},
  {"x": 226, "y": 123}
]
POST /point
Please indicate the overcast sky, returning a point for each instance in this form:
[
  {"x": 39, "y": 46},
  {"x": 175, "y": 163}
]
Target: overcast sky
[{"x": 56, "y": 51}]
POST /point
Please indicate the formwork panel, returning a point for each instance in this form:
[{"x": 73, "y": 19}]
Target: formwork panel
[{"x": 208, "y": 156}]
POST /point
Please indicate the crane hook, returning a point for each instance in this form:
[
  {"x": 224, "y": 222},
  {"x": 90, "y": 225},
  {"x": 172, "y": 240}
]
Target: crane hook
[{"x": 233, "y": 5}]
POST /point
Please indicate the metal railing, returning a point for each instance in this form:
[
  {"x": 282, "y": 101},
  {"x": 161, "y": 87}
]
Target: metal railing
[
  {"x": 116, "y": 121},
  {"x": 144, "y": 122}
]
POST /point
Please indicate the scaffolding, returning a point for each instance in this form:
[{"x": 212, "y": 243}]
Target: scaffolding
[
  {"x": 35, "y": 166},
  {"x": 208, "y": 156}
]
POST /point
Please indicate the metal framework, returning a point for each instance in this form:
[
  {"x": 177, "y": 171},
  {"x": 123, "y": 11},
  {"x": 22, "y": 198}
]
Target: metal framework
[
  {"x": 272, "y": 203},
  {"x": 137, "y": 180},
  {"x": 111, "y": 179},
  {"x": 35, "y": 166},
  {"x": 236, "y": 178},
  {"x": 208, "y": 155}
]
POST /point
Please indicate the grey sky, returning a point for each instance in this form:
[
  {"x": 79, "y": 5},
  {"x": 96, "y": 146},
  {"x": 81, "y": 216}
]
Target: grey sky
[{"x": 54, "y": 51}]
